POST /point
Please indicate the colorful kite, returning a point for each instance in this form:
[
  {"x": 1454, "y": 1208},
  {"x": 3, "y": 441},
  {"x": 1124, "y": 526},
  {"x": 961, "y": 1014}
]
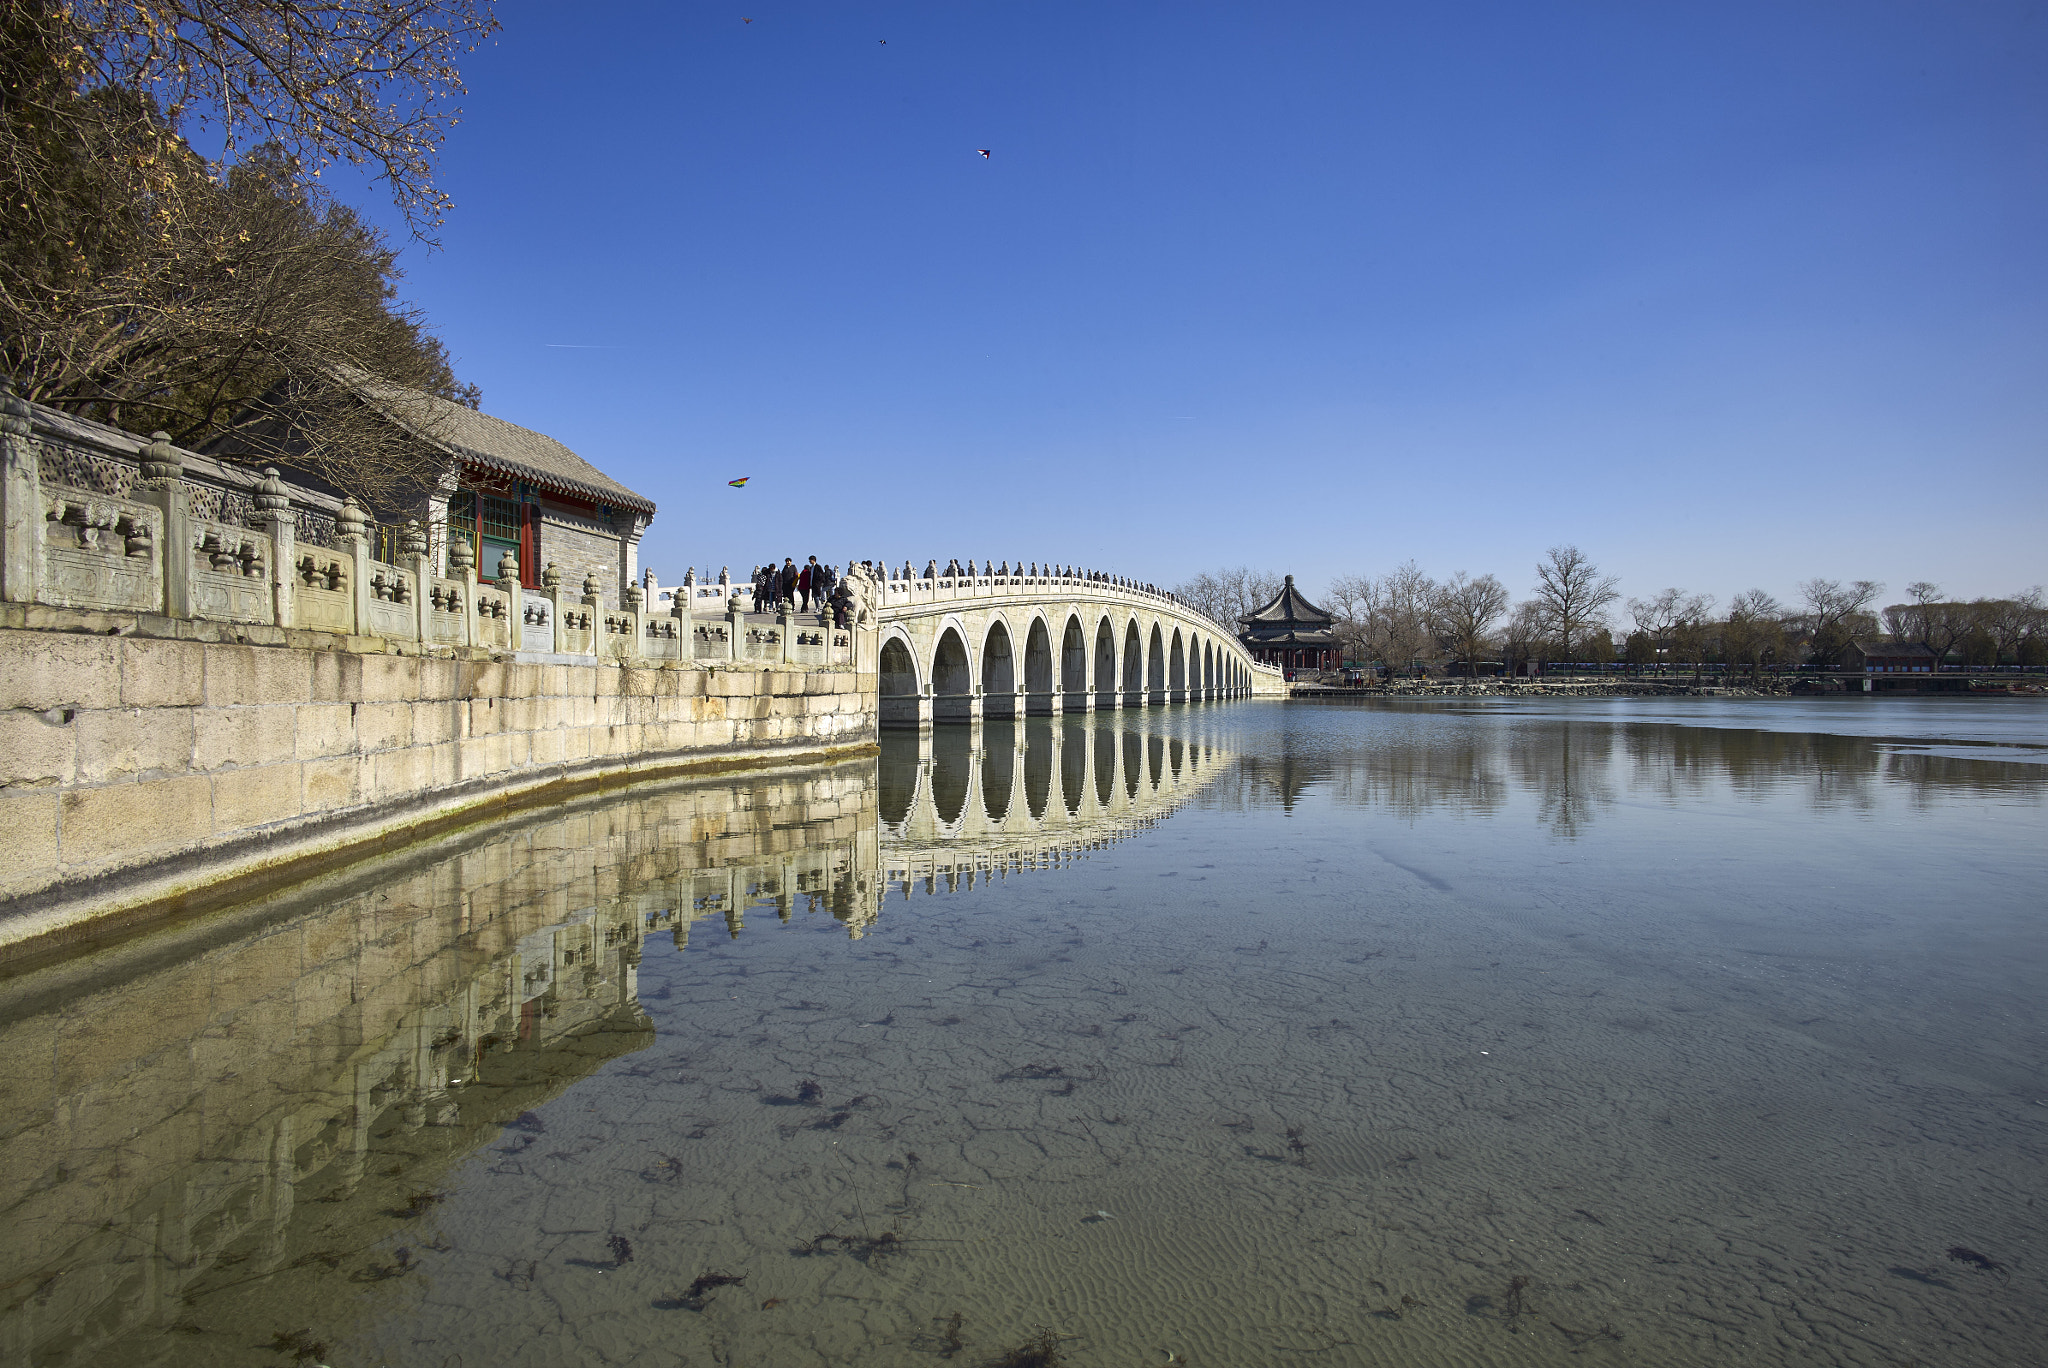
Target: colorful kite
[
  {"x": 741, "y": 482},
  {"x": 983, "y": 151}
]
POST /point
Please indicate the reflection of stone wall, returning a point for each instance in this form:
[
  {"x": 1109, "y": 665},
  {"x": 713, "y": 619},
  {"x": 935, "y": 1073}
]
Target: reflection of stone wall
[
  {"x": 132, "y": 769},
  {"x": 266, "y": 1096}
]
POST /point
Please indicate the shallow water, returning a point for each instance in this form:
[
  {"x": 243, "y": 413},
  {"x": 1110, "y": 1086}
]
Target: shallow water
[{"x": 1397, "y": 1033}]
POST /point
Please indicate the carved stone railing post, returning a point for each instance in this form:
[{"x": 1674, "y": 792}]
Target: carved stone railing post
[
  {"x": 515, "y": 600},
  {"x": 163, "y": 485},
  {"x": 352, "y": 539},
  {"x": 551, "y": 586},
  {"x": 413, "y": 547},
  {"x": 593, "y": 608},
  {"x": 274, "y": 510},
  {"x": 785, "y": 622},
  {"x": 735, "y": 623},
  {"x": 21, "y": 501},
  {"x": 462, "y": 569},
  {"x": 632, "y": 611}
]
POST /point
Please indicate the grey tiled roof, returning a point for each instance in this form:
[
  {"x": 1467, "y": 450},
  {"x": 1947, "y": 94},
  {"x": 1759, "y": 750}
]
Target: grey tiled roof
[
  {"x": 1290, "y": 608},
  {"x": 511, "y": 450}
]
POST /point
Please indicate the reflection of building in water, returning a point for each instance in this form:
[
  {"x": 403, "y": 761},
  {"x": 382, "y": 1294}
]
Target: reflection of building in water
[
  {"x": 973, "y": 802},
  {"x": 276, "y": 1093}
]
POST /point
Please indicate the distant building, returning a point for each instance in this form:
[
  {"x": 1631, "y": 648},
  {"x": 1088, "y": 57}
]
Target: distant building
[
  {"x": 1889, "y": 657},
  {"x": 1291, "y": 632}
]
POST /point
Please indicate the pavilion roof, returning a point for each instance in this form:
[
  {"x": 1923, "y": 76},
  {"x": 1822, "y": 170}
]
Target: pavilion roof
[{"x": 1290, "y": 608}]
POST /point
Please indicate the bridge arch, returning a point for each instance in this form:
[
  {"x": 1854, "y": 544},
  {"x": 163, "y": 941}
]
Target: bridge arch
[
  {"x": 998, "y": 670},
  {"x": 1177, "y": 669},
  {"x": 1155, "y": 665},
  {"x": 1038, "y": 663},
  {"x": 1134, "y": 663},
  {"x": 952, "y": 675},
  {"x": 1105, "y": 663},
  {"x": 898, "y": 681},
  {"x": 1073, "y": 659}
]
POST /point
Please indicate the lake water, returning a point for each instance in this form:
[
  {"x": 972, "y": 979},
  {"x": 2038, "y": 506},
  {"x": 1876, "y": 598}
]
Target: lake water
[{"x": 1605, "y": 1032}]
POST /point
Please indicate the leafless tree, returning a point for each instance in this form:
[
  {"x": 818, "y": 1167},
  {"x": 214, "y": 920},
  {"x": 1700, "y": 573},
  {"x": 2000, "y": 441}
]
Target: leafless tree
[
  {"x": 245, "y": 323},
  {"x": 1754, "y": 632},
  {"x": 1352, "y": 600},
  {"x": 2014, "y": 622},
  {"x": 370, "y": 83},
  {"x": 1464, "y": 612},
  {"x": 1932, "y": 621},
  {"x": 1523, "y": 639},
  {"x": 1400, "y": 630},
  {"x": 1229, "y": 592},
  {"x": 231, "y": 303},
  {"x": 1835, "y": 613},
  {"x": 1574, "y": 595},
  {"x": 1675, "y": 622}
]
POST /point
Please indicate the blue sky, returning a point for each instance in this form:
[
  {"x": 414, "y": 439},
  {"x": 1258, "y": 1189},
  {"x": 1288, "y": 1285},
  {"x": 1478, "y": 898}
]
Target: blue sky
[{"x": 1729, "y": 295}]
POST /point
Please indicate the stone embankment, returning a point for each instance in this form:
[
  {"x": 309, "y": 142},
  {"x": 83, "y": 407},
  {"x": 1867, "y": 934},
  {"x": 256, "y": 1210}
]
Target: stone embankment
[{"x": 140, "y": 774}]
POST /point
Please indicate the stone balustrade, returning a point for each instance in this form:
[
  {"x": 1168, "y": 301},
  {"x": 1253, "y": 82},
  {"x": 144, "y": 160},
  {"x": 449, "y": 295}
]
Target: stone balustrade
[{"x": 100, "y": 521}]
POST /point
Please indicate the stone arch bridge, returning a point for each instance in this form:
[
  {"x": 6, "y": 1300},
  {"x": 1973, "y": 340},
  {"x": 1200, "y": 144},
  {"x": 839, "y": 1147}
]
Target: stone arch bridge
[{"x": 961, "y": 646}]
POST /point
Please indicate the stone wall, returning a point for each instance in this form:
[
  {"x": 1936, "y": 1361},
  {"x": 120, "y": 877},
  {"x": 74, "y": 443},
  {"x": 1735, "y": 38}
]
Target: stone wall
[
  {"x": 578, "y": 553},
  {"x": 136, "y": 772}
]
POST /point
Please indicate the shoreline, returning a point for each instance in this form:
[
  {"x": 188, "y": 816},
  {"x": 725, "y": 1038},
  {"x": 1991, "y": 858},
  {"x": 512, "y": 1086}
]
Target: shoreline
[{"x": 1799, "y": 688}]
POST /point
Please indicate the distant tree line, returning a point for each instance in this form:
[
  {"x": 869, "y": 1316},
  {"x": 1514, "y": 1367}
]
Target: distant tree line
[{"x": 1410, "y": 622}]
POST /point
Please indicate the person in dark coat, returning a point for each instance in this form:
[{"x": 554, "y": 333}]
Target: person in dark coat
[
  {"x": 823, "y": 578},
  {"x": 785, "y": 584}
]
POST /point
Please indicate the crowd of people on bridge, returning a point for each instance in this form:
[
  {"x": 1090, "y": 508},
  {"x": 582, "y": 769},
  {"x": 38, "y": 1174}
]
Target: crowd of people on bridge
[
  {"x": 813, "y": 587},
  {"x": 820, "y": 588}
]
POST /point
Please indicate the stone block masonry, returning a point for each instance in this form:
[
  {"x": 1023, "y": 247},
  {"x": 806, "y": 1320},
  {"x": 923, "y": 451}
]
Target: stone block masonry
[{"x": 140, "y": 774}]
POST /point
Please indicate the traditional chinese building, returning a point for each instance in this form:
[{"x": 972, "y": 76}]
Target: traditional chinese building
[
  {"x": 502, "y": 488},
  {"x": 509, "y": 488},
  {"x": 1292, "y": 633}
]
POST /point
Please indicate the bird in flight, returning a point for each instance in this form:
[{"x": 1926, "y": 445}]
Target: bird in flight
[
  {"x": 983, "y": 151},
  {"x": 741, "y": 482},
  {"x": 746, "y": 21},
  {"x": 883, "y": 41}
]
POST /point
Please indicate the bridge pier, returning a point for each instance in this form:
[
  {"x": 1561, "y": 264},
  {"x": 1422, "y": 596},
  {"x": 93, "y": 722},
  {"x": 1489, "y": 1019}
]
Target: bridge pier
[
  {"x": 1000, "y": 704},
  {"x": 1078, "y": 702},
  {"x": 906, "y": 710},
  {"x": 955, "y": 707},
  {"x": 1041, "y": 704}
]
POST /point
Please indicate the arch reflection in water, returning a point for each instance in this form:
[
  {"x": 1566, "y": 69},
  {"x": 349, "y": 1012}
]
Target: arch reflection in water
[{"x": 931, "y": 831}]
